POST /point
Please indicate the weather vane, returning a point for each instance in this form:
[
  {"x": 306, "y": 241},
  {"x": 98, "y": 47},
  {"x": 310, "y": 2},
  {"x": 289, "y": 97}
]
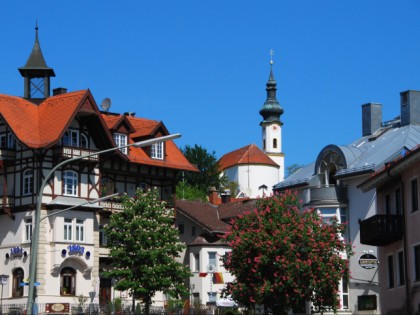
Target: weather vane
[{"x": 271, "y": 56}]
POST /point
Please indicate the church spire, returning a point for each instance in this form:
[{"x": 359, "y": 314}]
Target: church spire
[
  {"x": 271, "y": 110},
  {"x": 36, "y": 73}
]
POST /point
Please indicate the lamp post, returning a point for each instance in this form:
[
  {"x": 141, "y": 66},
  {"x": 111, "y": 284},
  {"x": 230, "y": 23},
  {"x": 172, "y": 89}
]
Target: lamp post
[
  {"x": 3, "y": 281},
  {"x": 35, "y": 236}
]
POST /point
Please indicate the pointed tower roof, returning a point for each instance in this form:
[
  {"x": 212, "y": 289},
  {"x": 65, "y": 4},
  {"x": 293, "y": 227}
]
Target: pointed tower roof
[
  {"x": 36, "y": 65},
  {"x": 271, "y": 110}
]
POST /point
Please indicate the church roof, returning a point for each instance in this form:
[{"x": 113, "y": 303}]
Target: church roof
[{"x": 249, "y": 154}]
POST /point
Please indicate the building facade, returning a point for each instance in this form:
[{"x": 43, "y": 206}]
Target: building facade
[
  {"x": 332, "y": 185},
  {"x": 39, "y": 131}
]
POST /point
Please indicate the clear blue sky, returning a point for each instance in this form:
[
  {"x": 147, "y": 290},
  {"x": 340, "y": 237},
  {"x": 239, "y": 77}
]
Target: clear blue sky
[{"x": 201, "y": 66}]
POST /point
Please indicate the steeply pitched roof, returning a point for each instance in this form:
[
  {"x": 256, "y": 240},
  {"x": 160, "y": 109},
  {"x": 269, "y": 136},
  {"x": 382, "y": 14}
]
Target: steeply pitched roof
[
  {"x": 43, "y": 125},
  {"x": 365, "y": 155},
  {"x": 249, "y": 154}
]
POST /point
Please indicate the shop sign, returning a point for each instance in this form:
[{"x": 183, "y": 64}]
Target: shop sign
[{"x": 368, "y": 261}]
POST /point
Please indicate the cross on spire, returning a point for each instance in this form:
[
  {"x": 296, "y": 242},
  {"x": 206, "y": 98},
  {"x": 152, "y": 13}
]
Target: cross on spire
[{"x": 271, "y": 56}]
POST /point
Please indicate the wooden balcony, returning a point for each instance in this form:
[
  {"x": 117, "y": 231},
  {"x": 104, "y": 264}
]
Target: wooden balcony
[
  {"x": 111, "y": 205},
  {"x": 7, "y": 154},
  {"x": 381, "y": 229},
  {"x": 72, "y": 152}
]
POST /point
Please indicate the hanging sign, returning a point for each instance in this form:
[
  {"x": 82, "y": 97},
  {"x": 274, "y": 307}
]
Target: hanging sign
[{"x": 368, "y": 261}]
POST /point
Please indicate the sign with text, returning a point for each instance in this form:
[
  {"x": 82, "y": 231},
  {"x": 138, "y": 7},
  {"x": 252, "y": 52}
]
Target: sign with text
[{"x": 52, "y": 308}]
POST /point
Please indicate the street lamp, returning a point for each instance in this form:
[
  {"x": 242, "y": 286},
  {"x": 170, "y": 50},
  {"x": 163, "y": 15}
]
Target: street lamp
[
  {"x": 3, "y": 281},
  {"x": 34, "y": 242}
]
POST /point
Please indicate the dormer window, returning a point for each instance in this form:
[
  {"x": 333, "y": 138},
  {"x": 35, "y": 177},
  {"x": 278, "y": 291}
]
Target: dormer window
[
  {"x": 156, "y": 151},
  {"x": 121, "y": 140},
  {"x": 71, "y": 138}
]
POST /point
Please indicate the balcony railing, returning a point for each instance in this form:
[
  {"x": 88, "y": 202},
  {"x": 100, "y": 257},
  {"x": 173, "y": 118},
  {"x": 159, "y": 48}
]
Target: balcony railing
[
  {"x": 72, "y": 152},
  {"x": 381, "y": 229},
  {"x": 325, "y": 194},
  {"x": 7, "y": 154},
  {"x": 111, "y": 205},
  {"x": 7, "y": 201}
]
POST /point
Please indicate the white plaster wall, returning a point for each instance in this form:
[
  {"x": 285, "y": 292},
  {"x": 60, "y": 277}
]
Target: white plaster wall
[{"x": 253, "y": 176}]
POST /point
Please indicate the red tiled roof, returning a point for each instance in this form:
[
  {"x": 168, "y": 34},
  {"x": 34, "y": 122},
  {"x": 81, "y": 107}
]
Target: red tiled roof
[
  {"x": 249, "y": 154},
  {"x": 38, "y": 126},
  {"x": 42, "y": 126}
]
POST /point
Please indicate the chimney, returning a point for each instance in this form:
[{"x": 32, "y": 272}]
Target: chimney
[
  {"x": 214, "y": 196},
  {"x": 226, "y": 196},
  {"x": 371, "y": 118},
  {"x": 60, "y": 90},
  {"x": 410, "y": 107}
]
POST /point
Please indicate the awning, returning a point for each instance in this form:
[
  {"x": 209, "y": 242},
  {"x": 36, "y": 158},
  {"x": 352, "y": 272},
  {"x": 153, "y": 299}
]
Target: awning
[{"x": 70, "y": 201}]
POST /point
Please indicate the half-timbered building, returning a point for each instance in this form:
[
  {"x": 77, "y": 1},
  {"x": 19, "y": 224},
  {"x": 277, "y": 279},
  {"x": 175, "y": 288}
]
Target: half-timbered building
[{"x": 38, "y": 131}]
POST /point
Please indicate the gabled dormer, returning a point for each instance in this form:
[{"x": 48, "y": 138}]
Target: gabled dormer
[{"x": 121, "y": 130}]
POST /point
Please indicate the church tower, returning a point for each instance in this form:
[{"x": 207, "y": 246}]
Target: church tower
[
  {"x": 271, "y": 124},
  {"x": 36, "y": 74}
]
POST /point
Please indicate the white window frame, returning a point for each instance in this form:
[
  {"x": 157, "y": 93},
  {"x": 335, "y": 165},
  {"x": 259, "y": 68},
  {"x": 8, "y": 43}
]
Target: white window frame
[
  {"x": 84, "y": 141},
  {"x": 212, "y": 260},
  {"x": 80, "y": 230},
  {"x": 196, "y": 262},
  {"x": 68, "y": 229},
  {"x": 120, "y": 140},
  {"x": 70, "y": 183},
  {"x": 71, "y": 138},
  {"x": 28, "y": 182},
  {"x": 156, "y": 151},
  {"x": 28, "y": 230},
  {"x": 344, "y": 286}
]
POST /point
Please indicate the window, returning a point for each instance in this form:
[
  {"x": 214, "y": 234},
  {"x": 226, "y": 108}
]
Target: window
[
  {"x": 275, "y": 143},
  {"x": 328, "y": 213},
  {"x": 212, "y": 259},
  {"x": 197, "y": 262},
  {"x": 107, "y": 187},
  {"x": 398, "y": 207},
  {"x": 156, "y": 151},
  {"x": 70, "y": 183},
  {"x": 17, "y": 290},
  {"x": 121, "y": 140},
  {"x": 344, "y": 292},
  {"x": 181, "y": 228},
  {"x": 68, "y": 230},
  {"x": 67, "y": 281},
  {"x": 193, "y": 230},
  {"x": 387, "y": 204},
  {"x": 414, "y": 196},
  {"x": 71, "y": 138},
  {"x": 84, "y": 142},
  {"x": 7, "y": 141},
  {"x": 212, "y": 296},
  {"x": 390, "y": 266},
  {"x": 401, "y": 269},
  {"x": 417, "y": 263},
  {"x": 28, "y": 182},
  {"x": 102, "y": 236},
  {"x": 80, "y": 237},
  {"x": 28, "y": 230}
]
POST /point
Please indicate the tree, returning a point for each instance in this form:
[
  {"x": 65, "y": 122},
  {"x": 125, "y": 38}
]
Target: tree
[
  {"x": 209, "y": 174},
  {"x": 282, "y": 256},
  {"x": 144, "y": 245},
  {"x": 187, "y": 192}
]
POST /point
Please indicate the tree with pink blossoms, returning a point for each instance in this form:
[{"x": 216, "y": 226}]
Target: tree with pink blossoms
[{"x": 283, "y": 256}]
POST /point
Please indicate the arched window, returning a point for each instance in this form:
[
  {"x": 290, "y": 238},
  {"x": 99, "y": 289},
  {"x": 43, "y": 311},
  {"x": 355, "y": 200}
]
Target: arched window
[
  {"x": 17, "y": 279},
  {"x": 84, "y": 142},
  {"x": 70, "y": 182},
  {"x": 28, "y": 182},
  {"x": 274, "y": 143},
  {"x": 68, "y": 281}
]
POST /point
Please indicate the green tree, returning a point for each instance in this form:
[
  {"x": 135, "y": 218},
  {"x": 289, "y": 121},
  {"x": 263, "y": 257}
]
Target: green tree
[
  {"x": 187, "y": 192},
  {"x": 282, "y": 256},
  {"x": 209, "y": 174},
  {"x": 144, "y": 245}
]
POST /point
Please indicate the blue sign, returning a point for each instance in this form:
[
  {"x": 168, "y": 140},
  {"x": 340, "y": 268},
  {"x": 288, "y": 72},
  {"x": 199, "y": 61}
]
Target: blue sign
[{"x": 76, "y": 249}]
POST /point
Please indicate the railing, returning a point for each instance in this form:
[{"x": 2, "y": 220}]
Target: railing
[
  {"x": 7, "y": 154},
  {"x": 381, "y": 229},
  {"x": 72, "y": 152},
  {"x": 111, "y": 205},
  {"x": 325, "y": 194},
  {"x": 7, "y": 201}
]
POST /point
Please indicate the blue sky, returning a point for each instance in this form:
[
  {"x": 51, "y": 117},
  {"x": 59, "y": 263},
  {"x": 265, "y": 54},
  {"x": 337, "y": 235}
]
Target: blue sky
[{"x": 201, "y": 66}]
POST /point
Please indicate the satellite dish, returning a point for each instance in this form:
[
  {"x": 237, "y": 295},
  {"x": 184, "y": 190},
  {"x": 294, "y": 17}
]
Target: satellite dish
[
  {"x": 248, "y": 191},
  {"x": 211, "y": 268},
  {"x": 106, "y": 104}
]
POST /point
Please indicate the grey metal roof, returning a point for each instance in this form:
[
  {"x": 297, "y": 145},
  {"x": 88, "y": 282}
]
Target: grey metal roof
[{"x": 366, "y": 154}]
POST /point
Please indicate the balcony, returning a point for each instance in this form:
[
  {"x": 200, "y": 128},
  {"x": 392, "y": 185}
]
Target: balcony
[
  {"x": 325, "y": 195},
  {"x": 73, "y": 152},
  {"x": 7, "y": 201},
  {"x": 7, "y": 154},
  {"x": 112, "y": 205},
  {"x": 381, "y": 229}
]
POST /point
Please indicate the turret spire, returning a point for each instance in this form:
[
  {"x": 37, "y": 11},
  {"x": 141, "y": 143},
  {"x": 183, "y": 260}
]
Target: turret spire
[{"x": 36, "y": 72}]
